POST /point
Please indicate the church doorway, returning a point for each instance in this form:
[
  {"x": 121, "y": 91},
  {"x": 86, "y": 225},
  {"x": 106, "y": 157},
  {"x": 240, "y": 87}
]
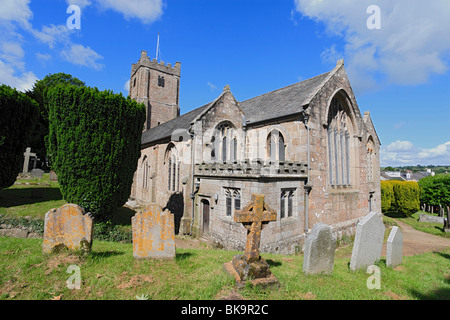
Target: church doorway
[{"x": 205, "y": 211}]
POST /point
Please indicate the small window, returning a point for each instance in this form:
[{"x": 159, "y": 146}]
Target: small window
[
  {"x": 161, "y": 81},
  {"x": 233, "y": 200},
  {"x": 286, "y": 203},
  {"x": 134, "y": 82}
]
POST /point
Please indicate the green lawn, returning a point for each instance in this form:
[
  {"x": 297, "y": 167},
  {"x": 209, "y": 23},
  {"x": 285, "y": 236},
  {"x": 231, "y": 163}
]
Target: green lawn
[{"x": 111, "y": 272}]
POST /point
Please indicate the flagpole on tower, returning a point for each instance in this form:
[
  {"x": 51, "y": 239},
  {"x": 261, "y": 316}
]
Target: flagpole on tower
[{"x": 157, "y": 48}]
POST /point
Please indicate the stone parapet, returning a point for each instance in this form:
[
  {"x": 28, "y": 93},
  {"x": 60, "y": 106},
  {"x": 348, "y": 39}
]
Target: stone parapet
[{"x": 252, "y": 169}]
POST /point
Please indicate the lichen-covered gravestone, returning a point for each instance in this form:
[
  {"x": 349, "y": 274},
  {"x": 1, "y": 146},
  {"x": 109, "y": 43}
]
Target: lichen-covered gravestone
[
  {"x": 67, "y": 227},
  {"x": 153, "y": 233},
  {"x": 320, "y": 246},
  {"x": 368, "y": 241},
  {"x": 394, "y": 248}
]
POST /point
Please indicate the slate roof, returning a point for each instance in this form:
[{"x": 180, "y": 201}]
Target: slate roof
[
  {"x": 282, "y": 102},
  {"x": 275, "y": 104}
]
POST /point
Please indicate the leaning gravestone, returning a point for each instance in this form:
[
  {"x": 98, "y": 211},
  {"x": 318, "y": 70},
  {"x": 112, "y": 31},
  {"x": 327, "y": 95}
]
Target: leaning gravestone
[
  {"x": 368, "y": 241},
  {"x": 394, "y": 248},
  {"x": 320, "y": 246},
  {"x": 67, "y": 227},
  {"x": 153, "y": 233}
]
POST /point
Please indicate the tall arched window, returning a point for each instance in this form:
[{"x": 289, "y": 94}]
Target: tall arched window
[
  {"x": 370, "y": 159},
  {"x": 276, "y": 146},
  {"x": 339, "y": 153},
  {"x": 145, "y": 169},
  {"x": 173, "y": 169},
  {"x": 224, "y": 143}
]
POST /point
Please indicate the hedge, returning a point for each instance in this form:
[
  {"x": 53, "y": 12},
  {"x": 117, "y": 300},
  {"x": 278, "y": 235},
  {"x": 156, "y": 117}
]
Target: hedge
[
  {"x": 400, "y": 196},
  {"x": 18, "y": 116},
  {"x": 94, "y": 145}
]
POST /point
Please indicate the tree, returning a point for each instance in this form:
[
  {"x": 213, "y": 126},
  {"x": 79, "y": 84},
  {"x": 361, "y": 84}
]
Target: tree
[
  {"x": 400, "y": 196},
  {"x": 18, "y": 115},
  {"x": 94, "y": 144},
  {"x": 38, "y": 93},
  {"x": 435, "y": 190}
]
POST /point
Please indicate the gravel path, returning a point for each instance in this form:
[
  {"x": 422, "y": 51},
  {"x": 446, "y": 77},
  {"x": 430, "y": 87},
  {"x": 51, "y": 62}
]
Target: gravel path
[{"x": 416, "y": 242}]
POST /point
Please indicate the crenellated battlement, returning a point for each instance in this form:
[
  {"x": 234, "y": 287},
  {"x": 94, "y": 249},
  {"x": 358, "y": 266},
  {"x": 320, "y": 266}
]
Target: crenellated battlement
[{"x": 161, "y": 66}]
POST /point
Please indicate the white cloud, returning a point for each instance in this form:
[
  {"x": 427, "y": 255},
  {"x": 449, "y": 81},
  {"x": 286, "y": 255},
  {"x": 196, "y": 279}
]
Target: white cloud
[
  {"x": 17, "y": 11},
  {"x": 145, "y": 10},
  {"x": 52, "y": 35},
  {"x": 83, "y": 56},
  {"x": 212, "y": 86},
  {"x": 22, "y": 81},
  {"x": 400, "y": 153},
  {"x": 126, "y": 86},
  {"x": 81, "y": 3},
  {"x": 411, "y": 45}
]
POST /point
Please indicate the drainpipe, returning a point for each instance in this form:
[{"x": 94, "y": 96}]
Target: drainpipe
[
  {"x": 307, "y": 186},
  {"x": 193, "y": 191}
]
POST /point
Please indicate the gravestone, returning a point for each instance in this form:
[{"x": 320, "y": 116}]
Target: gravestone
[
  {"x": 153, "y": 233},
  {"x": 320, "y": 246},
  {"x": 37, "y": 173},
  {"x": 67, "y": 227},
  {"x": 26, "y": 161},
  {"x": 394, "y": 248},
  {"x": 368, "y": 241},
  {"x": 250, "y": 266},
  {"x": 53, "y": 176},
  {"x": 429, "y": 218},
  {"x": 447, "y": 221}
]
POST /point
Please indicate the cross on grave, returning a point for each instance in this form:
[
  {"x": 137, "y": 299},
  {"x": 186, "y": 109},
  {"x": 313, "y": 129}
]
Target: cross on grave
[
  {"x": 250, "y": 266},
  {"x": 26, "y": 161},
  {"x": 254, "y": 216}
]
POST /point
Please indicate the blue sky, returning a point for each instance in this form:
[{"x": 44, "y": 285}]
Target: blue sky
[{"x": 400, "y": 72}]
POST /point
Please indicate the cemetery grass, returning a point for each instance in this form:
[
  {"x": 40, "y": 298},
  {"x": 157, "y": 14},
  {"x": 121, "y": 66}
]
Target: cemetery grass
[{"x": 110, "y": 272}]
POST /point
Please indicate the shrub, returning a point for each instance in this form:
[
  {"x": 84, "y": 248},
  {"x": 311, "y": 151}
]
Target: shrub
[
  {"x": 18, "y": 115},
  {"x": 400, "y": 196},
  {"x": 387, "y": 196},
  {"x": 94, "y": 144}
]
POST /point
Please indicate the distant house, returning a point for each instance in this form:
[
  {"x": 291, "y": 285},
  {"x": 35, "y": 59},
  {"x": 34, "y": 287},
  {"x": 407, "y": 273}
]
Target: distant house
[{"x": 405, "y": 176}]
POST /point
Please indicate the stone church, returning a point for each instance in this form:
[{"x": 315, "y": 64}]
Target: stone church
[{"x": 306, "y": 147}]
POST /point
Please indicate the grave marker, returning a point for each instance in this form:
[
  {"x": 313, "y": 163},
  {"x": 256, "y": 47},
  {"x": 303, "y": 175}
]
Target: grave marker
[
  {"x": 394, "y": 248},
  {"x": 67, "y": 227},
  {"x": 320, "y": 246},
  {"x": 251, "y": 265},
  {"x": 153, "y": 233},
  {"x": 26, "y": 161},
  {"x": 368, "y": 241}
]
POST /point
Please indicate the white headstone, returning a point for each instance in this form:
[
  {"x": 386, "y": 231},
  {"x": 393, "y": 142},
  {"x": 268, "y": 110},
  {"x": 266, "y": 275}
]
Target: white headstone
[
  {"x": 320, "y": 246},
  {"x": 394, "y": 248},
  {"x": 368, "y": 241}
]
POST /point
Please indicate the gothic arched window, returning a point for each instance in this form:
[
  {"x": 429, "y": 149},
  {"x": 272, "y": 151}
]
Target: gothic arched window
[
  {"x": 173, "y": 169},
  {"x": 370, "y": 159},
  {"x": 225, "y": 143},
  {"x": 338, "y": 135},
  {"x": 276, "y": 146}
]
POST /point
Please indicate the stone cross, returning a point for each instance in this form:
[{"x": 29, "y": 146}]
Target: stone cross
[
  {"x": 26, "y": 161},
  {"x": 253, "y": 216}
]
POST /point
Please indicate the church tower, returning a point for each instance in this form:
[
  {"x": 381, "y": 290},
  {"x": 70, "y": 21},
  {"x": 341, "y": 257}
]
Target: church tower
[{"x": 157, "y": 85}]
